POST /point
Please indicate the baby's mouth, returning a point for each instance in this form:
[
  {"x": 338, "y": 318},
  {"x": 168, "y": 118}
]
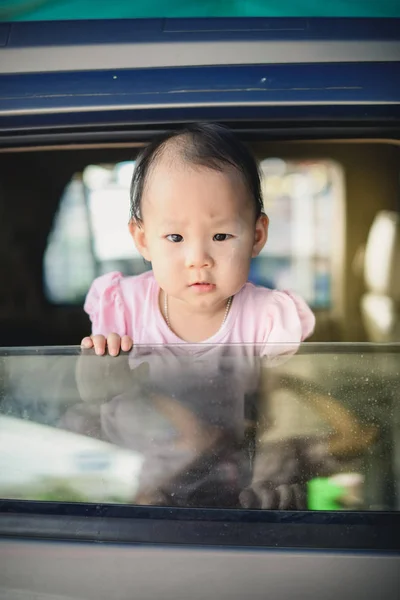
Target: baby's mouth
[{"x": 203, "y": 286}]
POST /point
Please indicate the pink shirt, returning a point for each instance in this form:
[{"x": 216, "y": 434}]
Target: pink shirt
[{"x": 258, "y": 316}]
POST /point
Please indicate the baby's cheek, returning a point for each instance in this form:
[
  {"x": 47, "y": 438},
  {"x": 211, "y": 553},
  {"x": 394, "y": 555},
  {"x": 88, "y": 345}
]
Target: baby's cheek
[
  {"x": 165, "y": 264},
  {"x": 237, "y": 264},
  {"x": 239, "y": 251}
]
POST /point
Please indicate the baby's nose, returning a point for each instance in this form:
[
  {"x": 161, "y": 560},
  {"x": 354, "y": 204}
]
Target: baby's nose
[{"x": 198, "y": 257}]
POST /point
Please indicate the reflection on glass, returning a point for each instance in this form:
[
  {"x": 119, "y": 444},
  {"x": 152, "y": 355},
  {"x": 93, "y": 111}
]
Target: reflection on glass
[{"x": 203, "y": 426}]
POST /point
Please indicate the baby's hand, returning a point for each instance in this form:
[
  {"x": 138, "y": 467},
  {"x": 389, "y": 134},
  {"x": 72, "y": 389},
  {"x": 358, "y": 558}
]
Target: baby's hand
[{"x": 114, "y": 343}]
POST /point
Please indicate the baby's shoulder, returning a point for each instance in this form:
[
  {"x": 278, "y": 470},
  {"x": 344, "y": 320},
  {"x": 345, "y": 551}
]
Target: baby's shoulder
[
  {"x": 115, "y": 284},
  {"x": 280, "y": 310},
  {"x": 263, "y": 296},
  {"x": 138, "y": 285},
  {"x": 114, "y": 303}
]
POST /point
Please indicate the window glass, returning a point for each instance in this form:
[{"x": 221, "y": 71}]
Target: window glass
[
  {"x": 90, "y": 234},
  {"x": 204, "y": 426}
]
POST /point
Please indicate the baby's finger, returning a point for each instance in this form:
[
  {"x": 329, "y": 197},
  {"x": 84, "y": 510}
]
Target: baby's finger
[
  {"x": 114, "y": 344},
  {"x": 99, "y": 343},
  {"x": 87, "y": 342},
  {"x": 126, "y": 343}
]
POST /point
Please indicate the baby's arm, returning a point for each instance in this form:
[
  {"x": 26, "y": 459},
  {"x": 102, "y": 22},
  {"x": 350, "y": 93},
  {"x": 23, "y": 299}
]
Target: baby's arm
[
  {"x": 97, "y": 380},
  {"x": 106, "y": 308}
]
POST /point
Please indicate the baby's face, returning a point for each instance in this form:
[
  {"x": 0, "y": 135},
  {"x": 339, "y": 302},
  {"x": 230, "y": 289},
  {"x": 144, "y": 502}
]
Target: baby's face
[{"x": 199, "y": 232}]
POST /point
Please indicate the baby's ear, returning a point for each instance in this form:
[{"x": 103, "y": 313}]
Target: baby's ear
[
  {"x": 137, "y": 232},
  {"x": 260, "y": 234}
]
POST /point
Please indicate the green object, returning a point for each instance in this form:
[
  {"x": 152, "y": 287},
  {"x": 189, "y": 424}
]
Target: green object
[
  {"x": 36, "y": 10},
  {"x": 323, "y": 494}
]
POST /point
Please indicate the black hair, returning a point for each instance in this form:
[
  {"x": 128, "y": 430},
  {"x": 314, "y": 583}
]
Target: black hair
[{"x": 203, "y": 144}]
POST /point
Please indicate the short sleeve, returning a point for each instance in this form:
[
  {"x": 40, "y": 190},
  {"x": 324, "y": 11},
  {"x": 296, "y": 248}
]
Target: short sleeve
[
  {"x": 291, "y": 322},
  {"x": 106, "y": 307}
]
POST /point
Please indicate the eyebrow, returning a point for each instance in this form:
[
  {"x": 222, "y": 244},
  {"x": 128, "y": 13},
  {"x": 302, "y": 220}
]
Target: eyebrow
[
  {"x": 217, "y": 223},
  {"x": 220, "y": 222},
  {"x": 172, "y": 224}
]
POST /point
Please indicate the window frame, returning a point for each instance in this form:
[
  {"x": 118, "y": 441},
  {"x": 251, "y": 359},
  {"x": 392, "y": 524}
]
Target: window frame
[{"x": 366, "y": 531}]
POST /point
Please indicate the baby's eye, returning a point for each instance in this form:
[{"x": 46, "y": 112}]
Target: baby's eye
[
  {"x": 221, "y": 237},
  {"x": 175, "y": 237}
]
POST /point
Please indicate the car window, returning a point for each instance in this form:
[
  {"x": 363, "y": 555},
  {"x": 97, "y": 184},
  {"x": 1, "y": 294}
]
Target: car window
[{"x": 204, "y": 426}]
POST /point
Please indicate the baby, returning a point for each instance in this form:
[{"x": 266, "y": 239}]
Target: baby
[{"x": 197, "y": 217}]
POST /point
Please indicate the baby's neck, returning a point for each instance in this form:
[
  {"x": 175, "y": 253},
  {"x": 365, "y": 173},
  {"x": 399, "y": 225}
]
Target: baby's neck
[{"x": 190, "y": 325}]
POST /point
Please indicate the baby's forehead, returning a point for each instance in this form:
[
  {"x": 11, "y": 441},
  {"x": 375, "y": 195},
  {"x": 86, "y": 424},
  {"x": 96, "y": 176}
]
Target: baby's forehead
[
  {"x": 176, "y": 177},
  {"x": 183, "y": 155},
  {"x": 177, "y": 182},
  {"x": 181, "y": 187}
]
